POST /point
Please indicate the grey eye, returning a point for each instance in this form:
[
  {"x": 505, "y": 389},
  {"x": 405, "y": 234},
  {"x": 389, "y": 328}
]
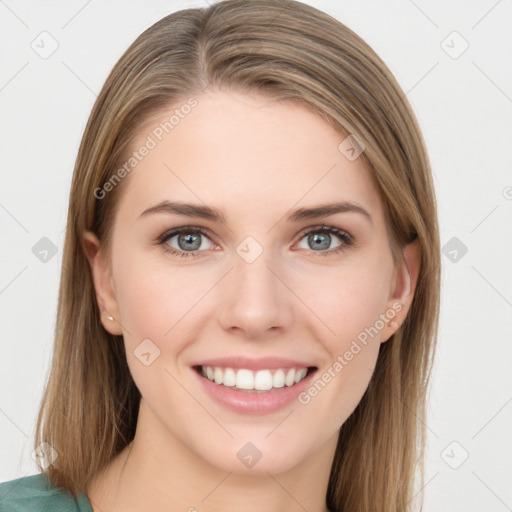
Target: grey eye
[
  {"x": 319, "y": 241},
  {"x": 188, "y": 241}
]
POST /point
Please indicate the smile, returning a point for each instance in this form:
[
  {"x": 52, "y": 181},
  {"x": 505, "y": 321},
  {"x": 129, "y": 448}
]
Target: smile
[
  {"x": 248, "y": 385},
  {"x": 243, "y": 379}
]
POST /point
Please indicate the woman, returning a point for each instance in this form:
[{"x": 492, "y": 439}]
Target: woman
[{"x": 250, "y": 287}]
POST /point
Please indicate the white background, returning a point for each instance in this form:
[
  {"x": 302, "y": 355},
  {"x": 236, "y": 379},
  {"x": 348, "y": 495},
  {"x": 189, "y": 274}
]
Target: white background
[{"x": 464, "y": 107}]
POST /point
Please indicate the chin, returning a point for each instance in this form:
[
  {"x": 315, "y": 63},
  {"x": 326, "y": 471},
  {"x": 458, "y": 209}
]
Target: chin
[{"x": 246, "y": 457}]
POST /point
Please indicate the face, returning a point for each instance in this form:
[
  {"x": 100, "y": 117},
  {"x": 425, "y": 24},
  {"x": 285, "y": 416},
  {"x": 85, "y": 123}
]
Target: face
[{"x": 271, "y": 295}]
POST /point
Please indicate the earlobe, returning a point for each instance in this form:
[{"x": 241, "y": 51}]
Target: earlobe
[
  {"x": 403, "y": 288},
  {"x": 102, "y": 280}
]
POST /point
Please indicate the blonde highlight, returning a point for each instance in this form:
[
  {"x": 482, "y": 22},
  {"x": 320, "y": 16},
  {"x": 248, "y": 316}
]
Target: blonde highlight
[{"x": 285, "y": 50}]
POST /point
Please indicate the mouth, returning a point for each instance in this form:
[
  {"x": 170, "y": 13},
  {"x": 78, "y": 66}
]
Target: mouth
[{"x": 244, "y": 380}]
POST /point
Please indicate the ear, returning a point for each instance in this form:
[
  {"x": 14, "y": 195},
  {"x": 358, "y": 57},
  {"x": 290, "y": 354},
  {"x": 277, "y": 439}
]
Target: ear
[
  {"x": 103, "y": 283},
  {"x": 402, "y": 289}
]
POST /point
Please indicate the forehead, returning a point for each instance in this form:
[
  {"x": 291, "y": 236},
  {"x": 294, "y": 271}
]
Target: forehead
[{"x": 243, "y": 153}]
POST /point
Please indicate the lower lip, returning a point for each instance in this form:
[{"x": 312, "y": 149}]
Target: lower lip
[{"x": 254, "y": 403}]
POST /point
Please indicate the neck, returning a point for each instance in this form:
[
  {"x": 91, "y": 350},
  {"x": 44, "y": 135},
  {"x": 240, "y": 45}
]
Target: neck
[{"x": 156, "y": 472}]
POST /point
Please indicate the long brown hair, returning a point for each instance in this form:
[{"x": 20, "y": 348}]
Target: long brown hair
[{"x": 286, "y": 50}]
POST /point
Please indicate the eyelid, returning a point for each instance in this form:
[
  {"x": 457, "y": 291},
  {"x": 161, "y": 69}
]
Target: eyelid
[
  {"x": 347, "y": 241},
  {"x": 327, "y": 228}
]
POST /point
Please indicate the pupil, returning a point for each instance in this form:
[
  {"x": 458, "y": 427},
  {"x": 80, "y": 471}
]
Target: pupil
[
  {"x": 189, "y": 241},
  {"x": 320, "y": 241}
]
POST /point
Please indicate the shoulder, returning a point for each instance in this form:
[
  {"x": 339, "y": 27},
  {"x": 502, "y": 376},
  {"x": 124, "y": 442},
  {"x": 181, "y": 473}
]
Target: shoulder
[{"x": 35, "y": 493}]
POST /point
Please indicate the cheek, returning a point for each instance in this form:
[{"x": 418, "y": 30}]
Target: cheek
[
  {"x": 347, "y": 300},
  {"x": 160, "y": 303},
  {"x": 144, "y": 301},
  {"x": 351, "y": 306},
  {"x": 152, "y": 295},
  {"x": 154, "y": 303}
]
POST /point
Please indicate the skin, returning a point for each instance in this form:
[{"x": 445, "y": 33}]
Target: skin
[{"x": 255, "y": 160}]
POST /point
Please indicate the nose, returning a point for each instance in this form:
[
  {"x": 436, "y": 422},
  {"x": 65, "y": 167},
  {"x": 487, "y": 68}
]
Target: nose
[{"x": 254, "y": 299}]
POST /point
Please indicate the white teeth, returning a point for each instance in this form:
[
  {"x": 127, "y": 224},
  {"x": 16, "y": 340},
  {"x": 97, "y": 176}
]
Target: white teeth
[
  {"x": 218, "y": 376},
  {"x": 244, "y": 379},
  {"x": 290, "y": 377},
  {"x": 229, "y": 377},
  {"x": 262, "y": 380},
  {"x": 278, "y": 379},
  {"x": 300, "y": 375}
]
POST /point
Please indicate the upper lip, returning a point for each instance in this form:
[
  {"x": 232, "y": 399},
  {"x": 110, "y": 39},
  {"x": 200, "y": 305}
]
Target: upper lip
[{"x": 264, "y": 363}]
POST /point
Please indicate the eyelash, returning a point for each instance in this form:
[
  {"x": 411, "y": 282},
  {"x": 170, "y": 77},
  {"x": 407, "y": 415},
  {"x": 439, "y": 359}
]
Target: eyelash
[{"x": 347, "y": 239}]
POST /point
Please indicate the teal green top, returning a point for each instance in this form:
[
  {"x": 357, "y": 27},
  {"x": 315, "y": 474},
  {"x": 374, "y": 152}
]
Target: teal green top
[{"x": 36, "y": 494}]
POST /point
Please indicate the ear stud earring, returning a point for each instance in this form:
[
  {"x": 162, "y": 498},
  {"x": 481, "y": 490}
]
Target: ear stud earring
[{"x": 111, "y": 318}]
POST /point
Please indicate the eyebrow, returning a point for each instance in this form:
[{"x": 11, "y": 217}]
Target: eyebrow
[{"x": 215, "y": 215}]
